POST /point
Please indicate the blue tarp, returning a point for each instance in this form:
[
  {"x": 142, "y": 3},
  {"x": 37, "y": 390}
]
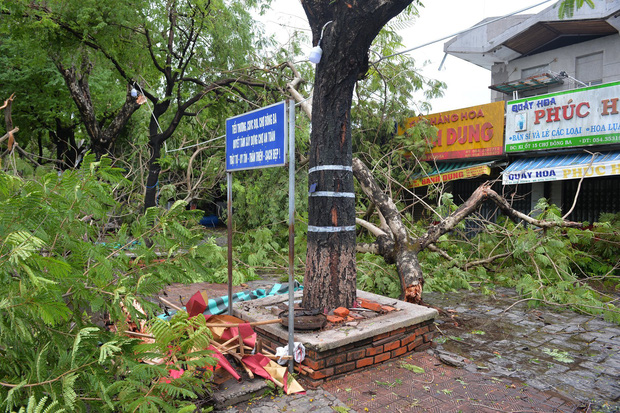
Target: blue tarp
[{"x": 220, "y": 305}]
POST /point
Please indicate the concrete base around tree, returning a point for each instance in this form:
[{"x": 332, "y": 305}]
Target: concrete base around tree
[{"x": 350, "y": 346}]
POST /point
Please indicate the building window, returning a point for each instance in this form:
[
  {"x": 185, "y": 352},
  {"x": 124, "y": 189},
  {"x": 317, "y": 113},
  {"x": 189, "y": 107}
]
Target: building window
[{"x": 589, "y": 68}]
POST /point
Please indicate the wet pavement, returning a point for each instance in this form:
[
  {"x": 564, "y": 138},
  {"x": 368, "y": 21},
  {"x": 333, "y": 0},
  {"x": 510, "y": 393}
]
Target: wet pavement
[
  {"x": 415, "y": 383},
  {"x": 572, "y": 354},
  {"x": 510, "y": 358}
]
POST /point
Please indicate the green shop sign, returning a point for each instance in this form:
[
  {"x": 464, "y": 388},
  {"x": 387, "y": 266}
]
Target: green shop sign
[{"x": 567, "y": 119}]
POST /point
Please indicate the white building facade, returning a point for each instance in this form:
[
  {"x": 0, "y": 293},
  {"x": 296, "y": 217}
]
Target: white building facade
[{"x": 544, "y": 66}]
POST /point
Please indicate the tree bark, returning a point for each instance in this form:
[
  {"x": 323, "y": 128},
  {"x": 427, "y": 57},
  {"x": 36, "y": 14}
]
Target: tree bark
[
  {"x": 397, "y": 246},
  {"x": 101, "y": 137},
  {"x": 348, "y": 30}
]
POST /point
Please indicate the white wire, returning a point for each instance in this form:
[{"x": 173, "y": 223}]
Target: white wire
[
  {"x": 149, "y": 106},
  {"x": 462, "y": 31},
  {"x": 196, "y": 144},
  {"x": 222, "y": 136}
]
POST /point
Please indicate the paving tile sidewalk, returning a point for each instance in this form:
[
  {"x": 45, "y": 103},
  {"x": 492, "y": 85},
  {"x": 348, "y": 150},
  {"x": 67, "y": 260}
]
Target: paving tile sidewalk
[
  {"x": 414, "y": 383},
  {"x": 396, "y": 386}
]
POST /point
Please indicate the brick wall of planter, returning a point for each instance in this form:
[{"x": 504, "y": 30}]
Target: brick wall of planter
[{"x": 326, "y": 365}]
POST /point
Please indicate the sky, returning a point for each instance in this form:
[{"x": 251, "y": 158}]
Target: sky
[{"x": 467, "y": 84}]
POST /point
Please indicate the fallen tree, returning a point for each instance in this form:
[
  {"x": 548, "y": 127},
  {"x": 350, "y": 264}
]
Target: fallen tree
[
  {"x": 396, "y": 246},
  {"x": 393, "y": 240}
]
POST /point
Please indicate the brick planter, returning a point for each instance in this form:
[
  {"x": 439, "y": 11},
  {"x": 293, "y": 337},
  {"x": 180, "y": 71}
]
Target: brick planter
[
  {"x": 340, "y": 350},
  {"x": 319, "y": 366}
]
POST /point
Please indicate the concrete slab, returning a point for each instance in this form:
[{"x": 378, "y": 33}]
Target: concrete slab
[
  {"x": 407, "y": 315},
  {"x": 232, "y": 392}
]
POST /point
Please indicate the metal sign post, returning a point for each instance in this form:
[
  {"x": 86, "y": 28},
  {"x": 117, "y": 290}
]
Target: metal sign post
[
  {"x": 258, "y": 139},
  {"x": 291, "y": 235}
]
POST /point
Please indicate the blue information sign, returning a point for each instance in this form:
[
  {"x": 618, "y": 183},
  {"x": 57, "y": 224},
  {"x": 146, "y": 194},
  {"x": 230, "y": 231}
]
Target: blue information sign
[{"x": 257, "y": 139}]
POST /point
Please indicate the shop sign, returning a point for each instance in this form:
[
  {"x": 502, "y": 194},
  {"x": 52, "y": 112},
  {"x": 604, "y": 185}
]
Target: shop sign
[
  {"x": 474, "y": 132},
  {"x": 561, "y": 173},
  {"x": 568, "y": 119},
  {"x": 452, "y": 175},
  {"x": 257, "y": 139}
]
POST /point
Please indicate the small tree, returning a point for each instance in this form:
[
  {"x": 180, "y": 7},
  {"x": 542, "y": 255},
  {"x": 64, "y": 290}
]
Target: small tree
[{"x": 61, "y": 271}]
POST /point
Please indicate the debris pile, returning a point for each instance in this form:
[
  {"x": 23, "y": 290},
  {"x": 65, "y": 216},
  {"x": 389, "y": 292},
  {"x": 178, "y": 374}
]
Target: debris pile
[{"x": 235, "y": 346}]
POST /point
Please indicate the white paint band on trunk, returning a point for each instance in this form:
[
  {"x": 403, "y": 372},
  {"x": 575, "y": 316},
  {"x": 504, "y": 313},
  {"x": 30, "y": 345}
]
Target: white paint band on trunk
[
  {"x": 329, "y": 194},
  {"x": 331, "y": 229},
  {"x": 330, "y": 168}
]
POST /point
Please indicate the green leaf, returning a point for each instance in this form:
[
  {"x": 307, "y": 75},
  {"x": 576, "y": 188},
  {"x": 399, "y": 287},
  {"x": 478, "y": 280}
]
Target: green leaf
[{"x": 412, "y": 367}]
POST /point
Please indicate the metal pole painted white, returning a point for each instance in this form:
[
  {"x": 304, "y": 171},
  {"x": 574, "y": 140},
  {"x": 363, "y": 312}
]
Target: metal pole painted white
[
  {"x": 291, "y": 234},
  {"x": 230, "y": 246}
]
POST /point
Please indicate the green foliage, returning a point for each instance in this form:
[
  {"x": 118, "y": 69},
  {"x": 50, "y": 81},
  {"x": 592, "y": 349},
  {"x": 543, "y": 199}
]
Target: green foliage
[
  {"x": 374, "y": 275},
  {"x": 567, "y": 8},
  {"x": 558, "y": 355},
  {"x": 41, "y": 406},
  {"x": 554, "y": 266},
  {"x": 61, "y": 271},
  {"x": 181, "y": 344},
  {"x": 411, "y": 367},
  {"x": 253, "y": 209}
]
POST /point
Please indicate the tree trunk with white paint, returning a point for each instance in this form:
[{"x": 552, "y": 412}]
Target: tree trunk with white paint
[{"x": 330, "y": 278}]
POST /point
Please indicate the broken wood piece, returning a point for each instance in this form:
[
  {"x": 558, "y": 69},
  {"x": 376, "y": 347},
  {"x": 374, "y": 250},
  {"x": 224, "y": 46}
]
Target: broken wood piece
[
  {"x": 226, "y": 343},
  {"x": 228, "y": 349},
  {"x": 133, "y": 333},
  {"x": 254, "y": 323},
  {"x": 168, "y": 303},
  {"x": 302, "y": 369},
  {"x": 273, "y": 357},
  {"x": 277, "y": 383},
  {"x": 241, "y": 345}
]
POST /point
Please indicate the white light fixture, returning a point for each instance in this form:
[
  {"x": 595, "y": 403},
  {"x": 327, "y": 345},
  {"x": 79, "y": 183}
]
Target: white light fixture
[
  {"x": 317, "y": 52},
  {"x": 134, "y": 92}
]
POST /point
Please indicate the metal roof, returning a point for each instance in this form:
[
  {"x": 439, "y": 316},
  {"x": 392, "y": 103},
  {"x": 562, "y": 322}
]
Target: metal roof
[
  {"x": 505, "y": 39},
  {"x": 532, "y": 82}
]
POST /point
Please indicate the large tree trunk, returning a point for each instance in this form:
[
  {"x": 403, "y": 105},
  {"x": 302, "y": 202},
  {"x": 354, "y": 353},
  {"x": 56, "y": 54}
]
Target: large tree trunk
[
  {"x": 330, "y": 278},
  {"x": 156, "y": 140},
  {"x": 152, "y": 179}
]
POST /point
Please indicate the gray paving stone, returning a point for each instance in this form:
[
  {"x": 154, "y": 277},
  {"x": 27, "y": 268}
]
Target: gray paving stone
[
  {"x": 521, "y": 337},
  {"x": 574, "y": 329},
  {"x": 609, "y": 387},
  {"x": 539, "y": 385},
  {"x": 565, "y": 345},
  {"x": 556, "y": 368},
  {"x": 553, "y": 328}
]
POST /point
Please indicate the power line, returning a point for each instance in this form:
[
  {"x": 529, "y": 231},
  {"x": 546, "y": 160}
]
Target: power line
[
  {"x": 221, "y": 136},
  {"x": 462, "y": 31},
  {"x": 398, "y": 54}
]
